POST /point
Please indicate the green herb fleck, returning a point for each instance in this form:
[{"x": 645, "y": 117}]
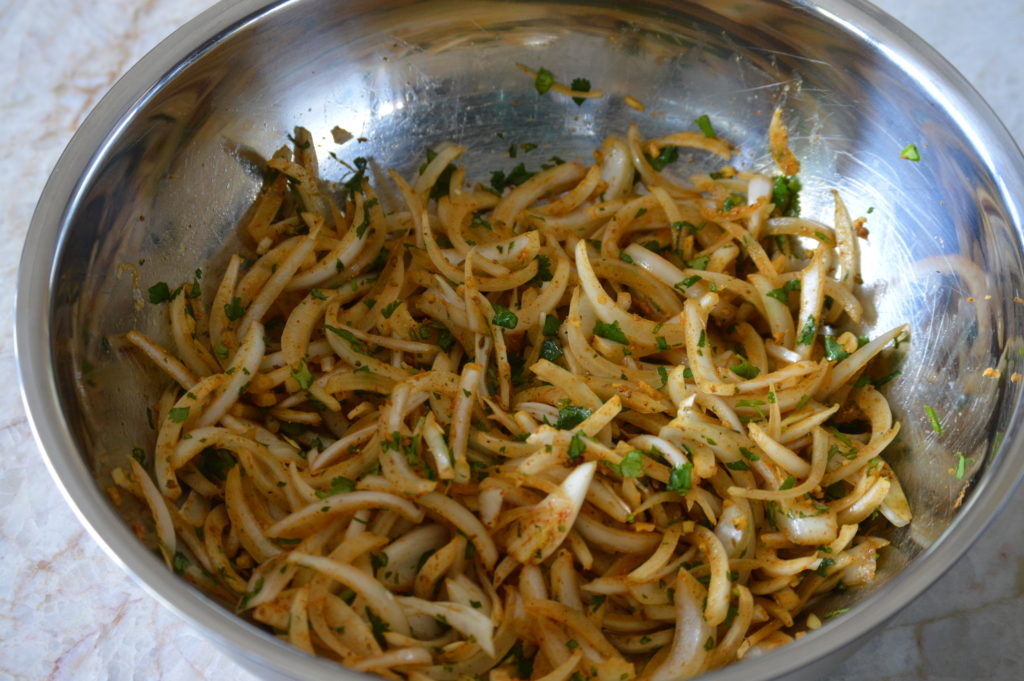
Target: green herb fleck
[
  {"x": 551, "y": 350},
  {"x": 786, "y": 195},
  {"x": 910, "y": 153},
  {"x": 303, "y": 376},
  {"x": 961, "y": 465},
  {"x": 504, "y": 317},
  {"x": 834, "y": 352},
  {"x": 571, "y": 416},
  {"x": 704, "y": 123},
  {"x": 576, "y": 446},
  {"x": 159, "y": 293},
  {"x": 700, "y": 263},
  {"x": 544, "y": 80},
  {"x": 339, "y": 485},
  {"x": 178, "y": 414},
  {"x": 234, "y": 310},
  {"x": 666, "y": 156},
  {"x": 745, "y": 369},
  {"x": 580, "y": 85},
  {"x": 808, "y": 332},
  {"x": 612, "y": 332},
  {"x": 681, "y": 479}
]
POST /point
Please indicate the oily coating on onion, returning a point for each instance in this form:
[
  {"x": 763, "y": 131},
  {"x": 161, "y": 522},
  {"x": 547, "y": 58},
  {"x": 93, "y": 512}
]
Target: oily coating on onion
[{"x": 592, "y": 420}]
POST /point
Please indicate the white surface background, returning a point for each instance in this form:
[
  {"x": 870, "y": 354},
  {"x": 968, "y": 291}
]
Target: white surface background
[{"x": 68, "y": 613}]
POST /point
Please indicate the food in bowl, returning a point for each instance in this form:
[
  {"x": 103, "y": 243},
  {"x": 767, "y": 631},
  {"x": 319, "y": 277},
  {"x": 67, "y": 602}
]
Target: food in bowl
[{"x": 584, "y": 421}]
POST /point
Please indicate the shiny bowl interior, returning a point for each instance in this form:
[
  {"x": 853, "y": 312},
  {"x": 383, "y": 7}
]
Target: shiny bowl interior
[{"x": 158, "y": 177}]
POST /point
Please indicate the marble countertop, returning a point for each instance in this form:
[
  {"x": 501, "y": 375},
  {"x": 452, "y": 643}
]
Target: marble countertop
[{"x": 68, "y": 613}]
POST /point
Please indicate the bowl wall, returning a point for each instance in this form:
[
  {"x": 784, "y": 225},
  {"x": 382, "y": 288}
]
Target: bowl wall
[{"x": 157, "y": 180}]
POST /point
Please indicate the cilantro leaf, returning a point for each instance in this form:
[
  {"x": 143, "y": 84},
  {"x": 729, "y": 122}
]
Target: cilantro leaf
[
  {"x": 704, "y": 123},
  {"x": 833, "y": 350},
  {"x": 576, "y": 446},
  {"x": 580, "y": 85},
  {"x": 681, "y": 479},
  {"x": 612, "y": 332},
  {"x": 786, "y": 195},
  {"x": 178, "y": 414},
  {"x": 339, "y": 485},
  {"x": 571, "y": 416},
  {"x": 504, "y": 317},
  {"x": 808, "y": 331},
  {"x": 910, "y": 153},
  {"x": 666, "y": 156},
  {"x": 234, "y": 310},
  {"x": 544, "y": 80},
  {"x": 303, "y": 376},
  {"x": 551, "y": 350},
  {"x": 745, "y": 369}
]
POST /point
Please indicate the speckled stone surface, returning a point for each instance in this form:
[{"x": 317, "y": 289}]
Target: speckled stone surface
[{"x": 67, "y": 612}]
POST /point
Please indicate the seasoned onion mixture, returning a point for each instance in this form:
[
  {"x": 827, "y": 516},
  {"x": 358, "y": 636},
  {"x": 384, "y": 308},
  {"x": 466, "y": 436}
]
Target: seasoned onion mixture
[{"x": 585, "y": 422}]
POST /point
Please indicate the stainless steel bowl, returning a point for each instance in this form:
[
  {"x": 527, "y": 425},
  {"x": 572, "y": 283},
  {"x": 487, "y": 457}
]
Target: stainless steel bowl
[{"x": 158, "y": 176}]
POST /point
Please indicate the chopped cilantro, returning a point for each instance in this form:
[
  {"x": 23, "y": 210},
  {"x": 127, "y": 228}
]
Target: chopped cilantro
[
  {"x": 504, "y": 317},
  {"x": 749, "y": 455},
  {"x": 786, "y": 195},
  {"x": 215, "y": 463},
  {"x": 234, "y": 310},
  {"x": 249, "y": 595},
  {"x": 178, "y": 414},
  {"x": 551, "y": 350},
  {"x": 576, "y": 446},
  {"x": 160, "y": 292},
  {"x": 688, "y": 282},
  {"x": 339, "y": 485},
  {"x": 543, "y": 271},
  {"x": 551, "y": 325},
  {"x": 544, "y": 80},
  {"x": 303, "y": 376},
  {"x": 666, "y": 156},
  {"x": 571, "y": 416},
  {"x": 612, "y": 332},
  {"x": 834, "y": 352},
  {"x": 580, "y": 85},
  {"x": 357, "y": 345},
  {"x": 808, "y": 331},
  {"x": 704, "y": 123},
  {"x": 961, "y": 465},
  {"x": 378, "y": 627},
  {"x": 681, "y": 479},
  {"x": 910, "y": 153},
  {"x": 745, "y": 369},
  {"x": 180, "y": 563},
  {"x": 631, "y": 466}
]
